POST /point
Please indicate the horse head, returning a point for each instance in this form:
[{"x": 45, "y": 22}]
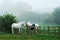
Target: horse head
[{"x": 27, "y": 24}]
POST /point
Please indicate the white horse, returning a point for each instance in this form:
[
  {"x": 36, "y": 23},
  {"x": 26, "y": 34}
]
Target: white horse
[
  {"x": 17, "y": 25},
  {"x": 37, "y": 27},
  {"x": 28, "y": 24},
  {"x": 31, "y": 27}
]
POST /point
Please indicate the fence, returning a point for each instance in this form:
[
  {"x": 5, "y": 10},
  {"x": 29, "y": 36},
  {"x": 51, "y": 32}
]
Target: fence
[
  {"x": 50, "y": 30},
  {"x": 46, "y": 30}
]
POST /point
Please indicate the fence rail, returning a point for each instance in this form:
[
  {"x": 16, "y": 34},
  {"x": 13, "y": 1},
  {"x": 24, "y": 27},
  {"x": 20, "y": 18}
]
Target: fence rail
[
  {"x": 50, "y": 30},
  {"x": 46, "y": 30}
]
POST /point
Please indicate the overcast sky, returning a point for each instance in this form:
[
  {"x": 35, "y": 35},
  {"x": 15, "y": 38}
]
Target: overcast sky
[{"x": 15, "y": 6}]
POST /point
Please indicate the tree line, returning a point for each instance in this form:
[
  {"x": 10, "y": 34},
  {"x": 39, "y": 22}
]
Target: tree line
[
  {"x": 5, "y": 22},
  {"x": 54, "y": 17}
]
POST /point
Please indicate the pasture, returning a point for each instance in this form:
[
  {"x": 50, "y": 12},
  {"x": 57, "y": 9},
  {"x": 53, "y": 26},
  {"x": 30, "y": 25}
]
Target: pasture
[
  {"x": 45, "y": 33},
  {"x": 6, "y": 36}
]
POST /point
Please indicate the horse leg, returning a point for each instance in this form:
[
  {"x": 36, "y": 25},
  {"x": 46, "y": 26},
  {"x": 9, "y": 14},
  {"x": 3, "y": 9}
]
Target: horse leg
[
  {"x": 38, "y": 30},
  {"x": 12, "y": 30},
  {"x": 34, "y": 30},
  {"x": 19, "y": 31},
  {"x": 27, "y": 31}
]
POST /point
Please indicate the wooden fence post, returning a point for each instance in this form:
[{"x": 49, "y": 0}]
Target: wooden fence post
[
  {"x": 48, "y": 30},
  {"x": 59, "y": 29},
  {"x": 39, "y": 30},
  {"x": 55, "y": 29},
  {"x": 44, "y": 30}
]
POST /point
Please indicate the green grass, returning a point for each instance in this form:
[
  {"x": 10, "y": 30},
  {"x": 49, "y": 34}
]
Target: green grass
[{"x": 28, "y": 37}]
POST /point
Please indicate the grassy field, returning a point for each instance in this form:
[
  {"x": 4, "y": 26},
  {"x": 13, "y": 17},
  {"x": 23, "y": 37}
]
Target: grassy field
[
  {"x": 24, "y": 36},
  {"x": 28, "y": 37}
]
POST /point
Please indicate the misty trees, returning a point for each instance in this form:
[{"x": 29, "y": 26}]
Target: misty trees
[
  {"x": 5, "y": 22},
  {"x": 49, "y": 19},
  {"x": 56, "y": 15}
]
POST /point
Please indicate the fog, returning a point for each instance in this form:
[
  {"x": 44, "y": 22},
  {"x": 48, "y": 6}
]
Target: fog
[
  {"x": 28, "y": 5},
  {"x": 29, "y": 10}
]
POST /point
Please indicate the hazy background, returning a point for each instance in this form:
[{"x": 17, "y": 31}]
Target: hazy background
[{"x": 36, "y": 11}]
